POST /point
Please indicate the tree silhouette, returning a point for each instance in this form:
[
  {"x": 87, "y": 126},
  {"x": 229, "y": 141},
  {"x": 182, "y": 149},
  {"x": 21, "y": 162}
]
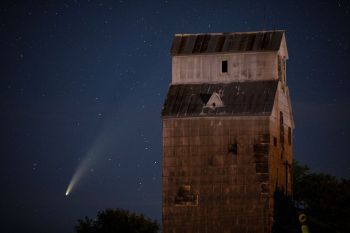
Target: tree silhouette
[
  {"x": 324, "y": 198},
  {"x": 117, "y": 221}
]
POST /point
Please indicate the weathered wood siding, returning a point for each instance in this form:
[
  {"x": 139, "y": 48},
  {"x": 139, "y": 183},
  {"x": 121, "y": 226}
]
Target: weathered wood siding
[
  {"x": 241, "y": 67},
  {"x": 228, "y": 192},
  {"x": 283, "y": 151}
]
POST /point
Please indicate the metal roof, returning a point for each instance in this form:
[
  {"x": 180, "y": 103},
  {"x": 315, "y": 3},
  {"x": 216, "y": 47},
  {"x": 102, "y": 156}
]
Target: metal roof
[
  {"x": 185, "y": 44},
  {"x": 254, "y": 98}
]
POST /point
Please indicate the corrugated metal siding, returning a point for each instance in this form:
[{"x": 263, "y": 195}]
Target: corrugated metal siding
[
  {"x": 226, "y": 42},
  {"x": 239, "y": 98}
]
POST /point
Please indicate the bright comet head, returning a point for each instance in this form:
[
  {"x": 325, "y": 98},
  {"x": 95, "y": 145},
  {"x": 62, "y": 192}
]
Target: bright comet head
[{"x": 81, "y": 170}]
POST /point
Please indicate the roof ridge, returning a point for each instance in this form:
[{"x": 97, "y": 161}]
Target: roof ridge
[
  {"x": 226, "y": 33},
  {"x": 225, "y": 83}
]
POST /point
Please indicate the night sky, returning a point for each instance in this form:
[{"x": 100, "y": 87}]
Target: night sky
[{"x": 87, "y": 79}]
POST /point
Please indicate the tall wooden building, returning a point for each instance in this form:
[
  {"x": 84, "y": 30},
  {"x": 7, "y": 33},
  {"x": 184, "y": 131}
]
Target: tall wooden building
[{"x": 227, "y": 132}]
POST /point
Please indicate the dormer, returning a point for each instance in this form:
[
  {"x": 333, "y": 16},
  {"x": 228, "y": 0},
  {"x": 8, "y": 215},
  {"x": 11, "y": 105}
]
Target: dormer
[
  {"x": 228, "y": 57},
  {"x": 214, "y": 101}
]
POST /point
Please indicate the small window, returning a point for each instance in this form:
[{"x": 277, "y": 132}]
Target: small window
[
  {"x": 264, "y": 138},
  {"x": 289, "y": 136},
  {"x": 261, "y": 149},
  {"x": 233, "y": 149},
  {"x": 186, "y": 196},
  {"x": 224, "y": 66},
  {"x": 281, "y": 130},
  {"x": 274, "y": 141}
]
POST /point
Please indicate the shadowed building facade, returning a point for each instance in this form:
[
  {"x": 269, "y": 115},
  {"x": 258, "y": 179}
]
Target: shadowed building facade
[{"x": 227, "y": 132}]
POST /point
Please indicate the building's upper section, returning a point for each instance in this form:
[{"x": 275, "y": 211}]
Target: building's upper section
[{"x": 228, "y": 57}]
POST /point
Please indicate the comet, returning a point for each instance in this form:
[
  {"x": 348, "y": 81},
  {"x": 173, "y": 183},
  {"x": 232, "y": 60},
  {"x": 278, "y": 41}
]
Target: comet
[
  {"x": 81, "y": 170},
  {"x": 103, "y": 143},
  {"x": 116, "y": 130}
]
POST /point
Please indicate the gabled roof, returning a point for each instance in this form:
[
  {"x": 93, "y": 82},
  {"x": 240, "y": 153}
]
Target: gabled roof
[
  {"x": 238, "y": 98},
  {"x": 186, "y": 44}
]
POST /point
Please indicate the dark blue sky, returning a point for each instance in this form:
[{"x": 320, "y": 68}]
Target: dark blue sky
[{"x": 82, "y": 77}]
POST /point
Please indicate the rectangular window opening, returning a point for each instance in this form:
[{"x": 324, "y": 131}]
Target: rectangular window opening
[
  {"x": 289, "y": 136},
  {"x": 233, "y": 148},
  {"x": 264, "y": 138},
  {"x": 224, "y": 66},
  {"x": 186, "y": 196},
  {"x": 274, "y": 141}
]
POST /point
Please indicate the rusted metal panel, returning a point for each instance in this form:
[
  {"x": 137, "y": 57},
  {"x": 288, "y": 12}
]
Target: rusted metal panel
[
  {"x": 185, "y": 44},
  {"x": 220, "y": 43},
  {"x": 247, "y": 98},
  {"x": 190, "y": 43},
  {"x": 175, "y": 47},
  {"x": 206, "y": 187}
]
